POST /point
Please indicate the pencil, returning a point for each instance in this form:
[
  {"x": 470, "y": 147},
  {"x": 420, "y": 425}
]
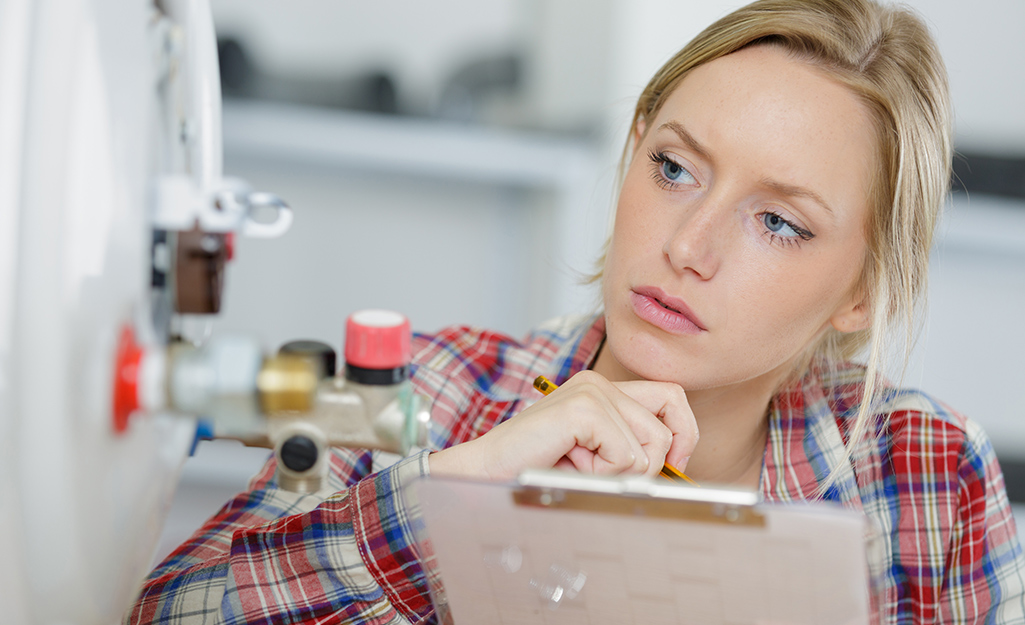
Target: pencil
[{"x": 668, "y": 471}]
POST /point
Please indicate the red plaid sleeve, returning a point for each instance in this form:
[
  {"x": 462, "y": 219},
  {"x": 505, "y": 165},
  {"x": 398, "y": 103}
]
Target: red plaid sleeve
[
  {"x": 350, "y": 559},
  {"x": 983, "y": 580},
  {"x": 955, "y": 552}
]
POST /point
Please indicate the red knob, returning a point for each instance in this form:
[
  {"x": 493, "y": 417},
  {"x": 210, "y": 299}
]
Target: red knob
[
  {"x": 126, "y": 378},
  {"x": 377, "y": 339}
]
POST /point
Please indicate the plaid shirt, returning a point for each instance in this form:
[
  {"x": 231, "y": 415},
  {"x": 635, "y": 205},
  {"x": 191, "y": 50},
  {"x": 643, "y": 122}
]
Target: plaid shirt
[{"x": 930, "y": 480}]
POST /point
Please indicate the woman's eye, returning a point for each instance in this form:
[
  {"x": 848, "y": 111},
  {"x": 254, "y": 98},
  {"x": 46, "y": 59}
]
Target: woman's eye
[
  {"x": 672, "y": 171},
  {"x": 668, "y": 173},
  {"x": 778, "y": 225},
  {"x": 782, "y": 231}
]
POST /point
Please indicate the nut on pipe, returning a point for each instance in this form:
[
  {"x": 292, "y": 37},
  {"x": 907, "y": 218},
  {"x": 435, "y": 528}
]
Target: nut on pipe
[{"x": 286, "y": 384}]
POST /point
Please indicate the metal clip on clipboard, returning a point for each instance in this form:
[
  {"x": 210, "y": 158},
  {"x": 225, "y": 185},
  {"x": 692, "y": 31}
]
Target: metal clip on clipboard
[
  {"x": 636, "y": 497},
  {"x": 558, "y": 547}
]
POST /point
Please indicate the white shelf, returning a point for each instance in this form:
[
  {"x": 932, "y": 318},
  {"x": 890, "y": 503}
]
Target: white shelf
[
  {"x": 983, "y": 224},
  {"x": 403, "y": 144}
]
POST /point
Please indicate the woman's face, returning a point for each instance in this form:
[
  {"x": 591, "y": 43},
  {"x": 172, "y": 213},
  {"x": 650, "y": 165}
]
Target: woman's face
[{"x": 739, "y": 234}]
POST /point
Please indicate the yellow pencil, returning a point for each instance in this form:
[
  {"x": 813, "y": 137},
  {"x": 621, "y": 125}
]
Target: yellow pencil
[{"x": 668, "y": 471}]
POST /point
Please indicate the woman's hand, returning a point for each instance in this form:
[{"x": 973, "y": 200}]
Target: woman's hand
[{"x": 589, "y": 424}]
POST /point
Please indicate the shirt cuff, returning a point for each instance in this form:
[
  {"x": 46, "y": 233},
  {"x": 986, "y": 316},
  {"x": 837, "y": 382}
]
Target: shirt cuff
[{"x": 384, "y": 530}]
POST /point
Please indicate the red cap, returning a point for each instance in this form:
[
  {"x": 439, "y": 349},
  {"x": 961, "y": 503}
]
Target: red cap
[{"x": 377, "y": 339}]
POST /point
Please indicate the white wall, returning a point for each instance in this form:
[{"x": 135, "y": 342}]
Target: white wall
[
  {"x": 589, "y": 58},
  {"x": 984, "y": 50},
  {"x": 981, "y": 42},
  {"x": 446, "y": 223},
  {"x": 970, "y": 351}
]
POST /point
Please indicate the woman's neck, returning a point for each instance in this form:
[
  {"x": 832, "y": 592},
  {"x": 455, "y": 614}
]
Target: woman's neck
[{"x": 733, "y": 424}]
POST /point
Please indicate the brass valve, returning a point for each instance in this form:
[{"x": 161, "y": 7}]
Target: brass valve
[{"x": 287, "y": 384}]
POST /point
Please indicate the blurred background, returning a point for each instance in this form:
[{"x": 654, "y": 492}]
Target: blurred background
[{"x": 454, "y": 160}]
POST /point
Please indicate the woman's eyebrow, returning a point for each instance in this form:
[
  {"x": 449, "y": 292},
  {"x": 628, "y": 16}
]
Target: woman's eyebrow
[
  {"x": 782, "y": 188},
  {"x": 687, "y": 138},
  {"x": 790, "y": 190}
]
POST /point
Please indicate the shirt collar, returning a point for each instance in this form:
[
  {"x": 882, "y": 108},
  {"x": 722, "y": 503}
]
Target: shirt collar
[
  {"x": 804, "y": 445},
  {"x": 580, "y": 349}
]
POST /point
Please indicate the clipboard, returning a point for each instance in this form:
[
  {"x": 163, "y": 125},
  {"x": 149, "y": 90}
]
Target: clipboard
[{"x": 565, "y": 548}]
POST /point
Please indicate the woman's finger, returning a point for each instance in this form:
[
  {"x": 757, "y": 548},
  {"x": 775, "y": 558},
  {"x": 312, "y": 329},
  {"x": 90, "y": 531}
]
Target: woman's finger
[
  {"x": 592, "y": 396},
  {"x": 666, "y": 401}
]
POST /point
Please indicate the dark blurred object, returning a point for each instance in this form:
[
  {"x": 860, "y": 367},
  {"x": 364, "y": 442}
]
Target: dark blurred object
[
  {"x": 199, "y": 271},
  {"x": 320, "y": 353},
  {"x": 236, "y": 70},
  {"x": 989, "y": 174},
  {"x": 1014, "y": 478},
  {"x": 372, "y": 91}
]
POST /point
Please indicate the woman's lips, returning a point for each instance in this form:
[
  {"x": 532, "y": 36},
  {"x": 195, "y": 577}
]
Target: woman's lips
[{"x": 671, "y": 314}]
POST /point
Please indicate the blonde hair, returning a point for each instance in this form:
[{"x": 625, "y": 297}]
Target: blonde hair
[{"x": 886, "y": 56}]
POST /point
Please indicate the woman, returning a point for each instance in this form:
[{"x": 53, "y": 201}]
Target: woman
[{"x": 782, "y": 181}]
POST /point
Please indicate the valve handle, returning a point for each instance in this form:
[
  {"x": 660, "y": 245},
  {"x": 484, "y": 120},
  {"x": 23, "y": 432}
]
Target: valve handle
[{"x": 126, "y": 378}]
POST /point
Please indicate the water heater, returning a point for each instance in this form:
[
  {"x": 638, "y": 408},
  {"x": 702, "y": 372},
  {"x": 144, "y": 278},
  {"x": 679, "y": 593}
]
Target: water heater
[{"x": 113, "y": 210}]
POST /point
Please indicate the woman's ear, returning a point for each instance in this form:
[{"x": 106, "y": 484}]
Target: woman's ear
[
  {"x": 852, "y": 317},
  {"x": 638, "y": 134}
]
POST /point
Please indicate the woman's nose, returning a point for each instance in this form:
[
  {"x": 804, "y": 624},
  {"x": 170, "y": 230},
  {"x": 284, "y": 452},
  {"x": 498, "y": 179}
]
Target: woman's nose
[{"x": 697, "y": 243}]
